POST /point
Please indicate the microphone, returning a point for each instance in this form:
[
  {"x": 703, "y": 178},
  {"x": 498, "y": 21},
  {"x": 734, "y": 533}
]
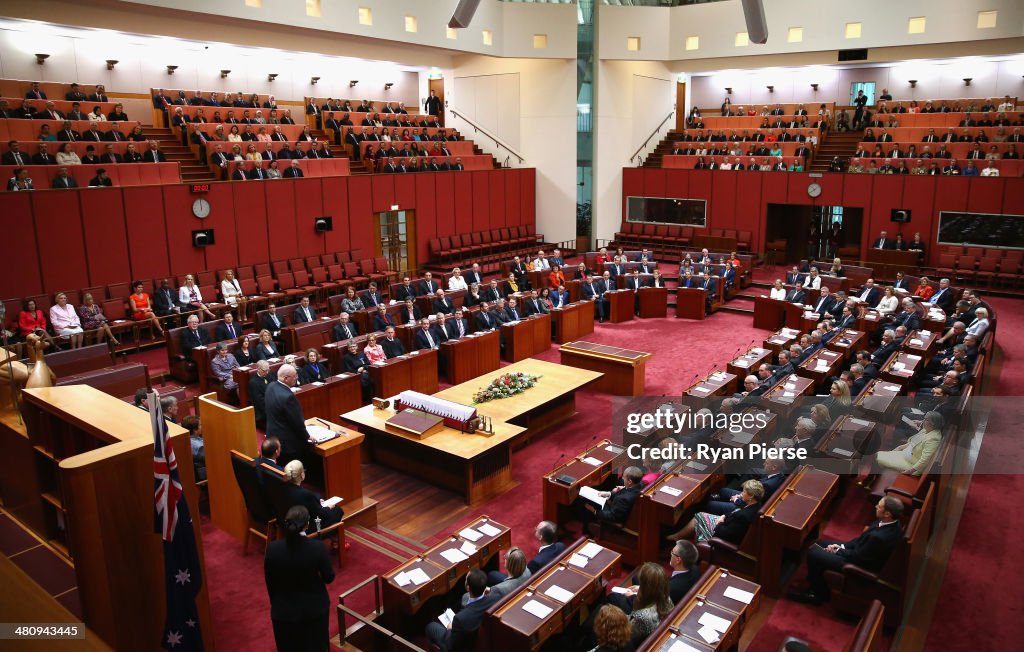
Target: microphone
[{"x": 560, "y": 457}]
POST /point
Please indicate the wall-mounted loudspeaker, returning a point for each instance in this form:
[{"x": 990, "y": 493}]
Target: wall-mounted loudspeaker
[
  {"x": 322, "y": 224},
  {"x": 202, "y": 238},
  {"x": 757, "y": 26},
  {"x": 463, "y": 14},
  {"x": 900, "y": 215}
]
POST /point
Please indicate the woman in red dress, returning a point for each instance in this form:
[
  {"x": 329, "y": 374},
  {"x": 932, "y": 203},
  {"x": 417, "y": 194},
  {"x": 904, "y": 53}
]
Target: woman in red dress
[{"x": 142, "y": 306}]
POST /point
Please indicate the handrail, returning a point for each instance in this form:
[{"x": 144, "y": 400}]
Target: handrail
[
  {"x": 497, "y": 141},
  {"x": 653, "y": 134}
]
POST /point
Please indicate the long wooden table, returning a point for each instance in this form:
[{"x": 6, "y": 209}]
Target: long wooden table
[
  {"x": 878, "y": 401},
  {"x": 718, "y": 383},
  {"x": 526, "y": 337},
  {"x": 573, "y": 321},
  {"x": 887, "y": 262},
  {"x": 669, "y": 500},
  {"x": 748, "y": 363},
  {"x": 624, "y": 370},
  {"x": 821, "y": 365},
  {"x": 479, "y": 465},
  {"x": 782, "y": 398}
]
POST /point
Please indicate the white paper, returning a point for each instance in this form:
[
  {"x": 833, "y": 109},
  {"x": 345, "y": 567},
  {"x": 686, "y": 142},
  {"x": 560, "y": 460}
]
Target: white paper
[
  {"x": 559, "y": 594},
  {"x": 914, "y": 358},
  {"x": 245, "y": 368},
  {"x": 447, "y": 617},
  {"x": 578, "y": 560},
  {"x": 697, "y": 465},
  {"x": 471, "y": 534},
  {"x": 613, "y": 449},
  {"x": 624, "y": 590},
  {"x": 467, "y": 548},
  {"x": 537, "y": 609},
  {"x": 861, "y": 422},
  {"x": 417, "y": 576},
  {"x": 590, "y": 550},
  {"x": 743, "y": 437},
  {"x": 897, "y": 366},
  {"x": 319, "y": 434},
  {"x": 717, "y": 623},
  {"x": 593, "y": 495},
  {"x": 709, "y": 634},
  {"x": 489, "y": 530},
  {"x": 671, "y": 491},
  {"x": 916, "y": 342},
  {"x": 592, "y": 461},
  {"x": 454, "y": 555},
  {"x": 893, "y": 388},
  {"x": 680, "y": 646},
  {"x": 401, "y": 579},
  {"x": 741, "y": 363},
  {"x": 842, "y": 451},
  {"x": 739, "y": 594},
  {"x": 788, "y": 394},
  {"x": 700, "y": 390},
  {"x": 332, "y": 501}
]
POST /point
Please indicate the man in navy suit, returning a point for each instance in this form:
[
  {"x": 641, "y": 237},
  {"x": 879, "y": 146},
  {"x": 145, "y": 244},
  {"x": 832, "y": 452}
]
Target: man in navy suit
[
  {"x": 372, "y": 298},
  {"x": 869, "y": 551},
  {"x": 869, "y": 293},
  {"x": 425, "y": 337},
  {"x": 428, "y": 285},
  {"x": 824, "y": 304},
  {"x": 304, "y": 313},
  {"x": 392, "y": 345},
  {"x": 344, "y": 330},
  {"x": 550, "y": 547},
  {"x": 591, "y": 289},
  {"x": 486, "y": 321},
  {"x": 944, "y": 296},
  {"x": 382, "y": 319},
  {"x": 457, "y": 326},
  {"x": 560, "y": 297},
  {"x": 462, "y": 634}
]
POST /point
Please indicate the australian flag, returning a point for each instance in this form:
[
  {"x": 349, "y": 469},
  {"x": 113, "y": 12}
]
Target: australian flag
[{"x": 182, "y": 575}]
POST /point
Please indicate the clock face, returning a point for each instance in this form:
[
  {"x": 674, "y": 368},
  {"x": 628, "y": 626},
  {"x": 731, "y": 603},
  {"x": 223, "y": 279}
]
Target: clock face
[
  {"x": 814, "y": 190},
  {"x": 201, "y": 208}
]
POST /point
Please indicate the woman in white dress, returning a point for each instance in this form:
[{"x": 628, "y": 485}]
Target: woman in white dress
[
  {"x": 231, "y": 290},
  {"x": 778, "y": 291},
  {"x": 889, "y": 302}
]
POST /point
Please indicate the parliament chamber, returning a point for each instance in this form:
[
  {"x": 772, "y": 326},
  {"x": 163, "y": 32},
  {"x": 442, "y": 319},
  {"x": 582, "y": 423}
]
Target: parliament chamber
[{"x": 510, "y": 325}]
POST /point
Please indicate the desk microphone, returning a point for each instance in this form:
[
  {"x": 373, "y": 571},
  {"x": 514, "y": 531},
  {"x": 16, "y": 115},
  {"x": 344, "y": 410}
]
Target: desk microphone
[{"x": 560, "y": 458}]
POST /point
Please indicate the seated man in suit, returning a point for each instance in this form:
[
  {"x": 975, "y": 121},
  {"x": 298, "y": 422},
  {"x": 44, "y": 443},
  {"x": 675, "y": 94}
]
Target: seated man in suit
[
  {"x": 410, "y": 312},
  {"x": 869, "y": 294},
  {"x": 272, "y": 321},
  {"x": 824, "y": 303},
  {"x": 228, "y": 329},
  {"x": 869, "y": 551},
  {"x": 344, "y": 330},
  {"x": 533, "y": 306},
  {"x": 304, "y": 313},
  {"x": 382, "y": 319},
  {"x": 591, "y": 290},
  {"x": 908, "y": 316},
  {"x": 425, "y": 337},
  {"x": 442, "y": 303},
  {"x": 428, "y": 285},
  {"x": 462, "y": 633},
  {"x": 372, "y": 298},
  {"x": 618, "y": 502},
  {"x": 485, "y": 320},
  {"x": 392, "y": 346},
  {"x": 270, "y": 450},
  {"x": 546, "y": 533},
  {"x": 405, "y": 290},
  {"x": 944, "y": 297},
  {"x": 457, "y": 326},
  {"x": 192, "y": 337}
]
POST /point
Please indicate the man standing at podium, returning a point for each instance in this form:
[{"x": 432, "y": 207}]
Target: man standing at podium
[{"x": 284, "y": 416}]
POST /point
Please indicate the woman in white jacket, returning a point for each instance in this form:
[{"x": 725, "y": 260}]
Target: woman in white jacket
[
  {"x": 916, "y": 454},
  {"x": 889, "y": 302},
  {"x": 189, "y": 294}
]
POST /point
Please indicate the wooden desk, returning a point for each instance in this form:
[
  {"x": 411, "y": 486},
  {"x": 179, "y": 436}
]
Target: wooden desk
[
  {"x": 338, "y": 394},
  {"x": 653, "y": 302},
  {"x": 476, "y": 465},
  {"x": 792, "y": 520},
  {"x": 572, "y": 322},
  {"x": 749, "y": 362},
  {"x": 870, "y": 321},
  {"x": 794, "y": 315},
  {"x": 769, "y": 314},
  {"x": 887, "y": 262},
  {"x": 588, "y": 469},
  {"x": 343, "y": 472},
  {"x": 760, "y": 434},
  {"x": 508, "y": 627},
  {"x": 402, "y": 601},
  {"x": 922, "y": 343},
  {"x": 666, "y": 502},
  {"x": 624, "y": 371},
  {"x": 821, "y": 365},
  {"x": 901, "y": 368},
  {"x": 691, "y": 303},
  {"x": 416, "y": 370},
  {"x": 848, "y": 440},
  {"x": 526, "y": 337},
  {"x": 718, "y": 383},
  {"x": 620, "y": 305},
  {"x": 308, "y": 335},
  {"x": 878, "y": 401},
  {"x": 782, "y": 398},
  {"x": 472, "y": 356},
  {"x": 848, "y": 343},
  {"x": 781, "y": 340},
  {"x": 706, "y": 597}
]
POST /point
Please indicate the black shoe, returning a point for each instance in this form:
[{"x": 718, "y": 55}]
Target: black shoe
[{"x": 807, "y": 597}]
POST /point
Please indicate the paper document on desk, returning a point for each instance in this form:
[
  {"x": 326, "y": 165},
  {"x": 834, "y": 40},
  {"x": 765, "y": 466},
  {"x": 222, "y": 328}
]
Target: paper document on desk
[
  {"x": 671, "y": 491},
  {"x": 319, "y": 434},
  {"x": 717, "y": 623},
  {"x": 739, "y": 594},
  {"x": 743, "y": 437},
  {"x": 332, "y": 501},
  {"x": 592, "y": 461},
  {"x": 401, "y": 579},
  {"x": 417, "y": 576},
  {"x": 467, "y": 548},
  {"x": 590, "y": 550},
  {"x": 680, "y": 646},
  {"x": 446, "y": 618},
  {"x": 537, "y": 609},
  {"x": 471, "y": 534},
  {"x": 559, "y": 594},
  {"x": 709, "y": 634},
  {"x": 578, "y": 560},
  {"x": 454, "y": 555},
  {"x": 593, "y": 495},
  {"x": 489, "y": 530}
]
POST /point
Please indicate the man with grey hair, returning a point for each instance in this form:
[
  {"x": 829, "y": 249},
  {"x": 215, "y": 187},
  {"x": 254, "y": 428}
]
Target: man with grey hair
[
  {"x": 860, "y": 381},
  {"x": 169, "y": 406},
  {"x": 285, "y": 419},
  {"x": 868, "y": 551},
  {"x": 258, "y": 392},
  {"x": 618, "y": 502},
  {"x": 888, "y": 346}
]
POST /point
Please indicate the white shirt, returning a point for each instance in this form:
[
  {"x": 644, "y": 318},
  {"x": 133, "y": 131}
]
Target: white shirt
[
  {"x": 990, "y": 172},
  {"x": 541, "y": 263},
  {"x": 457, "y": 283},
  {"x": 812, "y": 283},
  {"x": 725, "y": 166},
  {"x": 976, "y": 327},
  {"x": 888, "y": 305},
  {"x": 230, "y": 290},
  {"x": 185, "y": 294},
  {"x": 778, "y": 293}
]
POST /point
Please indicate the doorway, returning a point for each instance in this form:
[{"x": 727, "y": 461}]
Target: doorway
[
  {"x": 681, "y": 110},
  {"x": 396, "y": 239},
  {"x": 824, "y": 232},
  {"x": 437, "y": 85}
]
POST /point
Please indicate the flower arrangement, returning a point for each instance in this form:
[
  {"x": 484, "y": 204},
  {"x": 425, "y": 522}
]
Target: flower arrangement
[{"x": 505, "y": 386}]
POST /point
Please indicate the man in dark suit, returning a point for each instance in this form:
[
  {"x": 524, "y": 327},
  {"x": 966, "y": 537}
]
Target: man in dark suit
[
  {"x": 618, "y": 502},
  {"x": 474, "y": 275},
  {"x": 43, "y": 156},
  {"x": 293, "y": 171},
  {"x": 869, "y": 294},
  {"x": 14, "y": 155},
  {"x": 796, "y": 293},
  {"x": 239, "y": 174},
  {"x": 884, "y": 242},
  {"x": 285, "y": 419},
  {"x": 392, "y": 345},
  {"x": 428, "y": 285},
  {"x": 192, "y": 337},
  {"x": 442, "y": 303},
  {"x": 944, "y": 297},
  {"x": 485, "y": 321},
  {"x": 590, "y": 289},
  {"x": 462, "y": 633},
  {"x": 492, "y": 292},
  {"x": 824, "y": 304},
  {"x": 228, "y": 329},
  {"x": 304, "y": 313},
  {"x": 546, "y": 533},
  {"x": 258, "y": 400},
  {"x": 257, "y": 173},
  {"x": 153, "y": 154},
  {"x": 405, "y": 290},
  {"x": 901, "y": 283},
  {"x": 685, "y": 570},
  {"x": 270, "y": 449},
  {"x": 344, "y": 330},
  {"x": 382, "y": 319},
  {"x": 425, "y": 338},
  {"x": 533, "y": 306},
  {"x": 297, "y": 571},
  {"x": 63, "y": 180},
  {"x": 67, "y": 134},
  {"x": 512, "y": 311},
  {"x": 372, "y": 298},
  {"x": 272, "y": 321},
  {"x": 869, "y": 551},
  {"x": 457, "y": 326},
  {"x": 888, "y": 346}
]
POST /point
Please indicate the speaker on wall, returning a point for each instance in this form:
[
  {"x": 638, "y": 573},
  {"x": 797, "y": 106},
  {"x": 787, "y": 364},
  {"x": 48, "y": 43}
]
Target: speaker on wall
[
  {"x": 322, "y": 224},
  {"x": 757, "y": 26},
  {"x": 463, "y": 14},
  {"x": 202, "y": 238},
  {"x": 901, "y": 215}
]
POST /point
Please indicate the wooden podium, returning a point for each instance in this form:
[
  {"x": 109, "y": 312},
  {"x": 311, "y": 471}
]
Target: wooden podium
[
  {"x": 624, "y": 370},
  {"x": 525, "y": 338},
  {"x": 691, "y": 302},
  {"x": 572, "y": 322},
  {"x": 653, "y": 302},
  {"x": 620, "y": 305},
  {"x": 769, "y": 313}
]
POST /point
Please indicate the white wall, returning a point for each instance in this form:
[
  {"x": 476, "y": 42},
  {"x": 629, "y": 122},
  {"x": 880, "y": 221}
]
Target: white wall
[
  {"x": 663, "y": 31},
  {"x": 530, "y": 104},
  {"x": 633, "y": 97},
  {"x": 934, "y": 80}
]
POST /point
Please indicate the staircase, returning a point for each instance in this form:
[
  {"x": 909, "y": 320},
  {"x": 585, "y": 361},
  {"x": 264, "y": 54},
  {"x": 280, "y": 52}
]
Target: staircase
[
  {"x": 355, "y": 168},
  {"x": 664, "y": 148},
  {"x": 190, "y": 168},
  {"x": 835, "y": 144}
]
